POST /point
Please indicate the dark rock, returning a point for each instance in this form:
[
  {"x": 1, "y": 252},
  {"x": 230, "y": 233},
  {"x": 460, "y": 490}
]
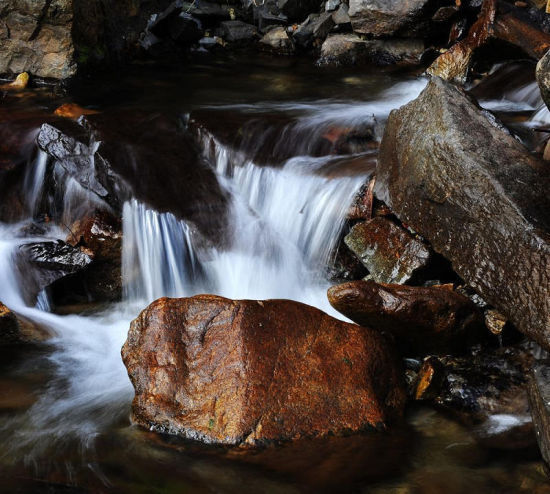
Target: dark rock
[
  {"x": 389, "y": 252},
  {"x": 539, "y": 398},
  {"x": 349, "y": 49},
  {"x": 15, "y": 330},
  {"x": 237, "y": 31},
  {"x": 257, "y": 371},
  {"x": 313, "y": 30},
  {"x": 421, "y": 320},
  {"x": 37, "y": 38},
  {"x": 43, "y": 263},
  {"x": 297, "y": 10},
  {"x": 488, "y": 390},
  {"x": 277, "y": 40},
  {"x": 477, "y": 195},
  {"x": 176, "y": 24},
  {"x": 386, "y": 17},
  {"x": 264, "y": 17}
]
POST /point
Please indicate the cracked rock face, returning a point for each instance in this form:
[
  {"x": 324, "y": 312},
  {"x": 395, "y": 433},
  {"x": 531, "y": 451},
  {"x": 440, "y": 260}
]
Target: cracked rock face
[
  {"x": 36, "y": 37},
  {"x": 232, "y": 372},
  {"x": 477, "y": 195}
]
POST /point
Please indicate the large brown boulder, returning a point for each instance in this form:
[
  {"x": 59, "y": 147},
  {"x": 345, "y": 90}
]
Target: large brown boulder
[
  {"x": 422, "y": 320},
  {"x": 244, "y": 371},
  {"x": 15, "y": 330},
  {"x": 464, "y": 183}
]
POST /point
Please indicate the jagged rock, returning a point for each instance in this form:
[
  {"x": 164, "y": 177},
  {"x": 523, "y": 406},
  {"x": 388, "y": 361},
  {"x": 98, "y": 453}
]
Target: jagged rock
[
  {"x": 386, "y": 17},
  {"x": 257, "y": 371},
  {"x": 479, "y": 198},
  {"x": 277, "y": 39},
  {"x": 539, "y": 398},
  {"x": 349, "y": 49},
  {"x": 15, "y": 331},
  {"x": 237, "y": 31},
  {"x": 389, "y": 252},
  {"x": 421, "y": 320},
  {"x": 49, "y": 262},
  {"x": 176, "y": 24},
  {"x": 315, "y": 28}
]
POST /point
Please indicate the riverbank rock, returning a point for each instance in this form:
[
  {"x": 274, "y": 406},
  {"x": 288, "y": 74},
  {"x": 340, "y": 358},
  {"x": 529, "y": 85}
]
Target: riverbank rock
[
  {"x": 16, "y": 331},
  {"x": 478, "y": 197},
  {"x": 232, "y": 372},
  {"x": 422, "y": 320},
  {"x": 385, "y": 17},
  {"x": 539, "y": 398},
  {"x": 389, "y": 252},
  {"x": 277, "y": 40},
  {"x": 350, "y": 49}
]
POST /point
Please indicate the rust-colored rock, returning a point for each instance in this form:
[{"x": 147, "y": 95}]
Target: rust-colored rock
[
  {"x": 422, "y": 320},
  {"x": 15, "y": 330},
  {"x": 72, "y": 110},
  {"x": 232, "y": 372},
  {"x": 387, "y": 250}
]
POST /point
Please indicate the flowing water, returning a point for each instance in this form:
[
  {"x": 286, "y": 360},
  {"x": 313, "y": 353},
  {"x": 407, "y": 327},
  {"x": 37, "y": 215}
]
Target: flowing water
[{"x": 285, "y": 217}]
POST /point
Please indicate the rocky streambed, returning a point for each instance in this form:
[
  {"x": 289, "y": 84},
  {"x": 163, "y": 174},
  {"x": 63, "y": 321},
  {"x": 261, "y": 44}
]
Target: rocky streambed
[{"x": 218, "y": 220}]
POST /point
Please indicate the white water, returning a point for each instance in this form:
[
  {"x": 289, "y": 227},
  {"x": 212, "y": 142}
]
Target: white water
[{"x": 284, "y": 224}]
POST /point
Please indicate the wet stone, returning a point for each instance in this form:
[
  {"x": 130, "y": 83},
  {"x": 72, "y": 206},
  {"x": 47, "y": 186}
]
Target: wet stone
[
  {"x": 389, "y": 252},
  {"x": 539, "y": 397}
]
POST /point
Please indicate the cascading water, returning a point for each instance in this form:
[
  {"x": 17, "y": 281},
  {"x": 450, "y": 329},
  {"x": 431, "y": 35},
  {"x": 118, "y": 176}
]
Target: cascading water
[{"x": 284, "y": 223}]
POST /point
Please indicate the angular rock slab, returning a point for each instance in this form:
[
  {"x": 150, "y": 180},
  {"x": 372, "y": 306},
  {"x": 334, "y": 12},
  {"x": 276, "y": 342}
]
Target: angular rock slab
[
  {"x": 477, "y": 195},
  {"x": 389, "y": 252},
  {"x": 232, "y": 372},
  {"x": 422, "y": 320}
]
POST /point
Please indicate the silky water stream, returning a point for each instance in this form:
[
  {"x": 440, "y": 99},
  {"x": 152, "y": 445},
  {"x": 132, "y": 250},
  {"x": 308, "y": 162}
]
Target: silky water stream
[{"x": 69, "y": 430}]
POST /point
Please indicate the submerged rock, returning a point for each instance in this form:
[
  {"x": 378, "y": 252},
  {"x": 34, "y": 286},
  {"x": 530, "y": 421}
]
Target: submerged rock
[
  {"x": 233, "y": 372},
  {"x": 422, "y": 320},
  {"x": 389, "y": 252},
  {"x": 477, "y": 195}
]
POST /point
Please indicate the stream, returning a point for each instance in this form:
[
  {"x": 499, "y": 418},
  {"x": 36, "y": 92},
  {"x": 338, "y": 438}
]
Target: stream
[{"x": 65, "y": 409}]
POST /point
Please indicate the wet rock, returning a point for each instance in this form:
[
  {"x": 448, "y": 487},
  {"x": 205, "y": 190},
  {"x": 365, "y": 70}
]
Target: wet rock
[
  {"x": 389, "y": 252},
  {"x": 15, "y": 330},
  {"x": 539, "y": 398},
  {"x": 237, "y": 31},
  {"x": 349, "y": 49},
  {"x": 313, "y": 30},
  {"x": 177, "y": 25},
  {"x": 257, "y": 371},
  {"x": 386, "y": 17},
  {"x": 477, "y": 195},
  {"x": 37, "y": 38},
  {"x": 495, "y": 321},
  {"x": 43, "y": 263},
  {"x": 20, "y": 82},
  {"x": 488, "y": 390},
  {"x": 543, "y": 77},
  {"x": 101, "y": 280},
  {"x": 277, "y": 40},
  {"x": 421, "y": 320}
]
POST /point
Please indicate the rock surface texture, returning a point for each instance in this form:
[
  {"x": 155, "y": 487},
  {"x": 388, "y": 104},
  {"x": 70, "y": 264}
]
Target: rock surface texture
[
  {"x": 422, "y": 320},
  {"x": 388, "y": 251},
  {"x": 35, "y": 37},
  {"x": 477, "y": 195},
  {"x": 233, "y": 372}
]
